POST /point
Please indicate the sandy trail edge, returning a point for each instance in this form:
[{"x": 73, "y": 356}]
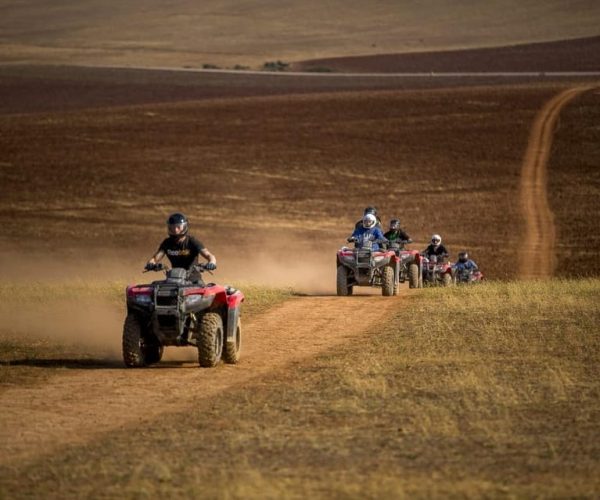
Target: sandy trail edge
[
  {"x": 78, "y": 406},
  {"x": 537, "y": 257}
]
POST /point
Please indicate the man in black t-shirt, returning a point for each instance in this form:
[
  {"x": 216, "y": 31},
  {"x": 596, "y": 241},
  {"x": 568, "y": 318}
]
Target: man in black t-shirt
[
  {"x": 436, "y": 248},
  {"x": 181, "y": 249}
]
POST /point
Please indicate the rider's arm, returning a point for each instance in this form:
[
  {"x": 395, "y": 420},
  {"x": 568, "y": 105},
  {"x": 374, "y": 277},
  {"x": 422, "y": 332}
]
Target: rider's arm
[
  {"x": 157, "y": 257},
  {"x": 208, "y": 256}
]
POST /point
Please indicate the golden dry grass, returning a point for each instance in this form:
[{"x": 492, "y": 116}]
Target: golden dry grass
[
  {"x": 485, "y": 391},
  {"x": 227, "y": 33}
]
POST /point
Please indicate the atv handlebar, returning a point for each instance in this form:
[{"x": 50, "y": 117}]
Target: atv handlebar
[
  {"x": 161, "y": 267},
  {"x": 153, "y": 267}
]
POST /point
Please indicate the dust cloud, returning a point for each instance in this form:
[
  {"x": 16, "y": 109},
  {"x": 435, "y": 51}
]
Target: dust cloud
[
  {"x": 84, "y": 323},
  {"x": 94, "y": 324},
  {"x": 284, "y": 262}
]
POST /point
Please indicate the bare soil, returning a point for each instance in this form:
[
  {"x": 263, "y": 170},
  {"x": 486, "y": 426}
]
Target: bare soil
[
  {"x": 564, "y": 55},
  {"x": 87, "y": 401},
  {"x": 281, "y": 173},
  {"x": 538, "y": 257}
]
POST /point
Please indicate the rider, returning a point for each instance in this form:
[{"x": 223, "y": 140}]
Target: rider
[
  {"x": 396, "y": 234},
  {"x": 373, "y": 211},
  {"x": 436, "y": 248},
  {"x": 464, "y": 263},
  {"x": 181, "y": 248},
  {"x": 368, "y": 230}
]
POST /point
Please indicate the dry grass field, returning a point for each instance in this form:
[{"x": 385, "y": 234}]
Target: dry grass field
[
  {"x": 228, "y": 33},
  {"x": 488, "y": 391}
]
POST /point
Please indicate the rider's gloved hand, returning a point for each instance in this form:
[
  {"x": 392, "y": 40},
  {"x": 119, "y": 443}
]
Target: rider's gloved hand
[
  {"x": 149, "y": 266},
  {"x": 210, "y": 266},
  {"x": 352, "y": 239}
]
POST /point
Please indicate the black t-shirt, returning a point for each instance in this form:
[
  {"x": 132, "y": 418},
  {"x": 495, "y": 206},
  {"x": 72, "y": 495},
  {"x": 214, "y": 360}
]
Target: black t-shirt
[
  {"x": 182, "y": 253},
  {"x": 440, "y": 250}
]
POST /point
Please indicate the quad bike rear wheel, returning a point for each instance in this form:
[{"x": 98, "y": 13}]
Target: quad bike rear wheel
[
  {"x": 342, "y": 282},
  {"x": 210, "y": 339},
  {"x": 231, "y": 350},
  {"x": 387, "y": 281},
  {"x": 447, "y": 279},
  {"x": 154, "y": 353},
  {"x": 413, "y": 276},
  {"x": 138, "y": 351},
  {"x": 396, "y": 287}
]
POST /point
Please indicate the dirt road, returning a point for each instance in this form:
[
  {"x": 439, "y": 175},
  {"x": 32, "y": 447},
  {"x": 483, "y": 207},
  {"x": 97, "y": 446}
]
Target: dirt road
[
  {"x": 76, "y": 406},
  {"x": 537, "y": 258}
]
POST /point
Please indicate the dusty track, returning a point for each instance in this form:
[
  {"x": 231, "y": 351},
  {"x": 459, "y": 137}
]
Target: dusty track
[
  {"x": 537, "y": 258},
  {"x": 75, "y": 407}
]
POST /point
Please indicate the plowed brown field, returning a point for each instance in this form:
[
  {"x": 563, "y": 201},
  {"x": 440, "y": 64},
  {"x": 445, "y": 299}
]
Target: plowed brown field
[{"x": 266, "y": 177}]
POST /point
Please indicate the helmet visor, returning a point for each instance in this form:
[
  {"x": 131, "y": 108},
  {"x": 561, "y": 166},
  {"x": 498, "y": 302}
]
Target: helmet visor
[
  {"x": 177, "y": 229},
  {"x": 369, "y": 221}
]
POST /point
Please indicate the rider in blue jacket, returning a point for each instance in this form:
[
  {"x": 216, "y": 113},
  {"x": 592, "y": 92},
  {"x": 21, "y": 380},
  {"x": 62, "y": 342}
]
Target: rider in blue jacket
[
  {"x": 464, "y": 263},
  {"x": 368, "y": 231}
]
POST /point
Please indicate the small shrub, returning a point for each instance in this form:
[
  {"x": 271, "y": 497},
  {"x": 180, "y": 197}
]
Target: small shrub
[{"x": 275, "y": 66}]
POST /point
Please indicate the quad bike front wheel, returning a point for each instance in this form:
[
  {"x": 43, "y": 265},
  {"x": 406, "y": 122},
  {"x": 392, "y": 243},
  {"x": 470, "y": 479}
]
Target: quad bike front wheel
[
  {"x": 210, "y": 339},
  {"x": 413, "y": 276},
  {"x": 138, "y": 351},
  {"x": 387, "y": 281},
  {"x": 342, "y": 282},
  {"x": 231, "y": 350},
  {"x": 447, "y": 279}
]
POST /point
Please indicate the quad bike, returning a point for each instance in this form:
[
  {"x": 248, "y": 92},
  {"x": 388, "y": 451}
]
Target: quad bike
[
  {"x": 435, "y": 271},
  {"x": 467, "y": 276},
  {"x": 181, "y": 310},
  {"x": 364, "y": 266},
  {"x": 408, "y": 265}
]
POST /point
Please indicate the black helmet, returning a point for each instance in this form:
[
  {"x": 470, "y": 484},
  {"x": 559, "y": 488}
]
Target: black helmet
[
  {"x": 395, "y": 224},
  {"x": 177, "y": 224},
  {"x": 463, "y": 256},
  {"x": 370, "y": 210}
]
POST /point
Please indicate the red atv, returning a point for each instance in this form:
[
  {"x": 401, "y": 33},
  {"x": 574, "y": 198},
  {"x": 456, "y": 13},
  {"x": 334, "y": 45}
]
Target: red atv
[
  {"x": 180, "y": 311},
  {"x": 435, "y": 270},
  {"x": 364, "y": 266},
  {"x": 466, "y": 276},
  {"x": 408, "y": 268}
]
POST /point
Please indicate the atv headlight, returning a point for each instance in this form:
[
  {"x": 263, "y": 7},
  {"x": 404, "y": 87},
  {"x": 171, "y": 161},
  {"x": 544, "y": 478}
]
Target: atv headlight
[
  {"x": 143, "y": 299},
  {"x": 379, "y": 258},
  {"x": 192, "y": 300}
]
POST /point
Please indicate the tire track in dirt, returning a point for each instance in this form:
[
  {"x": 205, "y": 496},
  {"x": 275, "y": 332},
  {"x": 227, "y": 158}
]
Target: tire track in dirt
[
  {"x": 537, "y": 258},
  {"x": 80, "y": 405}
]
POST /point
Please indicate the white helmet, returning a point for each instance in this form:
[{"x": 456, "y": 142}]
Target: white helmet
[
  {"x": 436, "y": 240},
  {"x": 369, "y": 221}
]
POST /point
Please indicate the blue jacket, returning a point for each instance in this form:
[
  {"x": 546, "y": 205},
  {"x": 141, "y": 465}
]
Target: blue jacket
[
  {"x": 469, "y": 266},
  {"x": 373, "y": 234}
]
